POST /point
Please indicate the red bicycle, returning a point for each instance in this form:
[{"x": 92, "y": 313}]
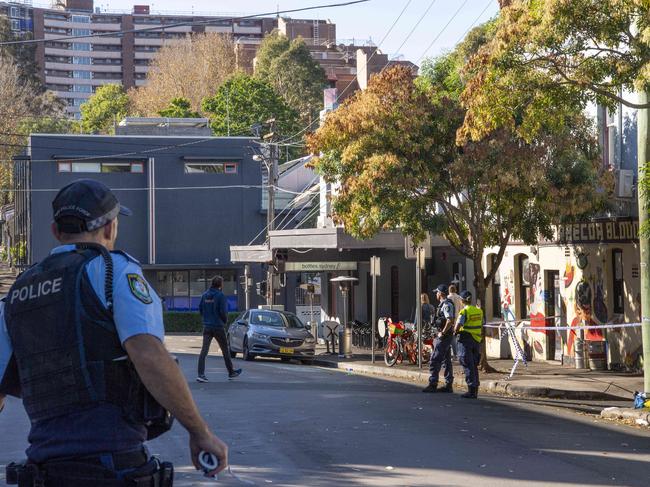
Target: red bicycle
[{"x": 402, "y": 339}]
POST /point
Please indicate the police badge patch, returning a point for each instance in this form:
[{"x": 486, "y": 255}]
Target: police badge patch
[{"x": 139, "y": 288}]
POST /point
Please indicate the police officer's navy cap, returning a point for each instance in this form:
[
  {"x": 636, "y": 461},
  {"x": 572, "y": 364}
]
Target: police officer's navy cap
[
  {"x": 442, "y": 288},
  {"x": 86, "y": 201},
  {"x": 465, "y": 295}
]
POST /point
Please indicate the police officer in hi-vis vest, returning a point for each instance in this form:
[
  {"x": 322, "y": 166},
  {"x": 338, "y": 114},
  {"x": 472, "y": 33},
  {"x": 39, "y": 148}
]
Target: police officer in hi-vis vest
[
  {"x": 81, "y": 342},
  {"x": 469, "y": 329}
]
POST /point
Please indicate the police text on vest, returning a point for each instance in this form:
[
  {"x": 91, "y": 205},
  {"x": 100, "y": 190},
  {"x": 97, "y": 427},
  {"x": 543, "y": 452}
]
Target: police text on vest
[{"x": 33, "y": 291}]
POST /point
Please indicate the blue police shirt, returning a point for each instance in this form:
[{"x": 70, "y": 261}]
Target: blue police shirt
[{"x": 102, "y": 428}]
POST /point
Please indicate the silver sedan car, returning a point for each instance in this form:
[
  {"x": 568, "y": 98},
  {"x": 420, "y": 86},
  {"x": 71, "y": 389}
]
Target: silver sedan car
[{"x": 271, "y": 334}]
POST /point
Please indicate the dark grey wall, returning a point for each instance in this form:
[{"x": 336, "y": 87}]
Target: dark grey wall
[{"x": 193, "y": 226}]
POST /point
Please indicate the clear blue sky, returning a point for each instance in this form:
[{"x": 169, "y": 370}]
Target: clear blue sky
[{"x": 369, "y": 20}]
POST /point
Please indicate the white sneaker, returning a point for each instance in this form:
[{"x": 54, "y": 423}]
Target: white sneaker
[{"x": 201, "y": 378}]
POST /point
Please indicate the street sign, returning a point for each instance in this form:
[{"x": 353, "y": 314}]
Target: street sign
[
  {"x": 375, "y": 266},
  {"x": 410, "y": 248}
]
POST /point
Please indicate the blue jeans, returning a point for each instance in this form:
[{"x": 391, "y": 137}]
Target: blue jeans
[
  {"x": 469, "y": 356},
  {"x": 441, "y": 357}
]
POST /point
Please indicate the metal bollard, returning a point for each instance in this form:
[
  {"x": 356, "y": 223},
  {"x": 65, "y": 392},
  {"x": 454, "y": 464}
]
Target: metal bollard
[{"x": 579, "y": 346}]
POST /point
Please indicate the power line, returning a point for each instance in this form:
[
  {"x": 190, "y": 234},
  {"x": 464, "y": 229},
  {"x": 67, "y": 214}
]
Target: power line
[
  {"x": 487, "y": 5},
  {"x": 183, "y": 24},
  {"x": 443, "y": 29},
  {"x": 155, "y": 188},
  {"x": 350, "y": 84},
  {"x": 278, "y": 216}
]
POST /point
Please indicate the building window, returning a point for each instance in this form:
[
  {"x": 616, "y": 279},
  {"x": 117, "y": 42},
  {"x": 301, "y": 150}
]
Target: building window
[
  {"x": 182, "y": 290},
  {"x": 211, "y": 168},
  {"x": 80, "y": 32},
  {"x": 101, "y": 167},
  {"x": 81, "y": 46},
  {"x": 15, "y": 25},
  {"x": 82, "y": 88},
  {"x": 80, "y": 60},
  {"x": 81, "y": 74},
  {"x": 81, "y": 19}
]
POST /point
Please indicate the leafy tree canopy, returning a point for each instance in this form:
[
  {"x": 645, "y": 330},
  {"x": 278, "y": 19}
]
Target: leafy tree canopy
[
  {"x": 243, "y": 101},
  {"x": 179, "y": 108},
  {"x": 549, "y": 58},
  {"x": 294, "y": 74},
  {"x": 108, "y": 105}
]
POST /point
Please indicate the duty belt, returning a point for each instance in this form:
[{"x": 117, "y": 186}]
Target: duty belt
[{"x": 89, "y": 471}]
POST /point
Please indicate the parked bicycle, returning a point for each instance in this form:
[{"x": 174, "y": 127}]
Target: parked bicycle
[{"x": 402, "y": 341}]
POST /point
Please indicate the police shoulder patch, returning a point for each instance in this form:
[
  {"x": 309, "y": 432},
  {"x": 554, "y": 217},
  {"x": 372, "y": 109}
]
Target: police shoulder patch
[{"x": 139, "y": 288}]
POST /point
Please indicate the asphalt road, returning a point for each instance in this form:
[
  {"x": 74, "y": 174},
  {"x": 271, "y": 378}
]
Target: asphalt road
[{"x": 289, "y": 424}]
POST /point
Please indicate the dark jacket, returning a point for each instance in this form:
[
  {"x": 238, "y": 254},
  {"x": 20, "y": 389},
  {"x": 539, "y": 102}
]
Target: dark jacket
[{"x": 213, "y": 308}]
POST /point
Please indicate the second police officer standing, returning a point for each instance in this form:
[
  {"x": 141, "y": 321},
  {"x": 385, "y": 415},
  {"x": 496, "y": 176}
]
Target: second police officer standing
[
  {"x": 441, "y": 356},
  {"x": 81, "y": 342},
  {"x": 469, "y": 328}
]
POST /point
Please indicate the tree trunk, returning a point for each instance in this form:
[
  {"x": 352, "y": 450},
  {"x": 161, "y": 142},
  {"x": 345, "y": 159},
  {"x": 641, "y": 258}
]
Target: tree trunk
[{"x": 479, "y": 284}]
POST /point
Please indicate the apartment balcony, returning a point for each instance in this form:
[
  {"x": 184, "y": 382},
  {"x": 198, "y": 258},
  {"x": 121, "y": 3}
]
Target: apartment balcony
[
  {"x": 144, "y": 55},
  {"x": 248, "y": 30},
  {"x": 114, "y": 40},
  {"x": 219, "y": 29},
  {"x": 105, "y": 27},
  {"x": 140, "y": 82},
  {"x": 148, "y": 41},
  {"x": 141, "y": 69}
]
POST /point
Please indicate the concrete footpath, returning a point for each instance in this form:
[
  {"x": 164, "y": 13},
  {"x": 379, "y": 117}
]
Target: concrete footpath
[{"x": 536, "y": 380}]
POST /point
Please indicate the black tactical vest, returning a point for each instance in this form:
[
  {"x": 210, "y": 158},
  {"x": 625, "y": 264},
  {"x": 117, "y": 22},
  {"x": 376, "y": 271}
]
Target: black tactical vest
[
  {"x": 67, "y": 350},
  {"x": 440, "y": 316}
]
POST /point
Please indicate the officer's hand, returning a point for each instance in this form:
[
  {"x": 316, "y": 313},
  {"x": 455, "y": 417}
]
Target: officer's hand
[{"x": 208, "y": 442}]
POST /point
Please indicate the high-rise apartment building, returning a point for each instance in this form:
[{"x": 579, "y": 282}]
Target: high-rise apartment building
[{"x": 120, "y": 46}]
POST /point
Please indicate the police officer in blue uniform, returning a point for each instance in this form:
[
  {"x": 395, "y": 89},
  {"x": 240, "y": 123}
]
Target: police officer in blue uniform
[
  {"x": 81, "y": 342},
  {"x": 441, "y": 356}
]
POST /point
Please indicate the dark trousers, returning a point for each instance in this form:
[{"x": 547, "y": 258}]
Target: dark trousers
[
  {"x": 219, "y": 334},
  {"x": 469, "y": 356},
  {"x": 441, "y": 357}
]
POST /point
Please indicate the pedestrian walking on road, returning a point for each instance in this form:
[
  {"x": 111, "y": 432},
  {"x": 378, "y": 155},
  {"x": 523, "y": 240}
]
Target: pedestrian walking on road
[
  {"x": 81, "y": 343},
  {"x": 215, "y": 316},
  {"x": 441, "y": 356},
  {"x": 469, "y": 328}
]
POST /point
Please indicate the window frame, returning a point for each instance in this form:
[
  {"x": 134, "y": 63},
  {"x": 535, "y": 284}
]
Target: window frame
[
  {"x": 68, "y": 166},
  {"x": 227, "y": 167}
]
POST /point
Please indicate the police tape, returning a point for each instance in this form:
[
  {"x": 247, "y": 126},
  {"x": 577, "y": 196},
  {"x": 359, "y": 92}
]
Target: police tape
[
  {"x": 527, "y": 320},
  {"x": 574, "y": 328}
]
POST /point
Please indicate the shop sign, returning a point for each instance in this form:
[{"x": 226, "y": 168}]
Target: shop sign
[
  {"x": 320, "y": 266},
  {"x": 614, "y": 230}
]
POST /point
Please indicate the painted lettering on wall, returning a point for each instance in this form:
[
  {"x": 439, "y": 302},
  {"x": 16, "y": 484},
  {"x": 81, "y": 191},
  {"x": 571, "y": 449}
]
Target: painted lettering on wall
[{"x": 615, "y": 230}]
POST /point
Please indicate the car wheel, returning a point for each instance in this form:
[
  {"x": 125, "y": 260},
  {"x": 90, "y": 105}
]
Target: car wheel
[
  {"x": 285, "y": 359},
  {"x": 246, "y": 353}
]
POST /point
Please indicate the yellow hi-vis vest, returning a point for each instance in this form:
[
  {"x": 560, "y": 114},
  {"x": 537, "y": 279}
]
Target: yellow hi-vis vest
[{"x": 473, "y": 321}]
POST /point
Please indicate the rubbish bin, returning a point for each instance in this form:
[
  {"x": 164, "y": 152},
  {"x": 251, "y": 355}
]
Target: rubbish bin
[
  {"x": 580, "y": 353},
  {"x": 345, "y": 341},
  {"x": 597, "y": 352}
]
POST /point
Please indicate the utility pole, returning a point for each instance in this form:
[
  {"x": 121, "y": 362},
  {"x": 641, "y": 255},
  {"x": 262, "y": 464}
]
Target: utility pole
[
  {"x": 643, "y": 161},
  {"x": 272, "y": 181},
  {"x": 247, "y": 285}
]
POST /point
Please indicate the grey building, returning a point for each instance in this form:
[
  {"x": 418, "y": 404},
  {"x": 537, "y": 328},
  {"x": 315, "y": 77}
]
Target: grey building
[{"x": 191, "y": 197}]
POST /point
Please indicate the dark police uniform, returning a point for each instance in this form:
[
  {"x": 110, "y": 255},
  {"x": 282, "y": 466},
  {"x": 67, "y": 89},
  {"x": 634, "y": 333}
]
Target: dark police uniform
[
  {"x": 61, "y": 350},
  {"x": 441, "y": 356}
]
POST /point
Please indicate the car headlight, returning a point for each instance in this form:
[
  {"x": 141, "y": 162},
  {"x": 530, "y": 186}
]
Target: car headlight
[
  {"x": 260, "y": 336},
  {"x": 310, "y": 340}
]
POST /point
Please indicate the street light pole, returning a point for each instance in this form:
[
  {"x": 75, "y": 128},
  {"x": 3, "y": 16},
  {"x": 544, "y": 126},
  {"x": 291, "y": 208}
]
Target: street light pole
[{"x": 272, "y": 169}]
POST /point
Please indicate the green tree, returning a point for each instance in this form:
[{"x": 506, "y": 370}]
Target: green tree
[
  {"x": 179, "y": 108},
  {"x": 243, "y": 101},
  {"x": 548, "y": 58},
  {"x": 392, "y": 148},
  {"x": 294, "y": 74},
  {"x": 108, "y": 105}
]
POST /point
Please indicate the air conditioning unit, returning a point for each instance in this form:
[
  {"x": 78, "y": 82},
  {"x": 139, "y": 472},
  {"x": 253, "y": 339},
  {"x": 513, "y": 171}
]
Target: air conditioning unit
[{"x": 625, "y": 183}]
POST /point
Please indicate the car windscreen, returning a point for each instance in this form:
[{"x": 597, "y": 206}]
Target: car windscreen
[
  {"x": 285, "y": 320},
  {"x": 267, "y": 319}
]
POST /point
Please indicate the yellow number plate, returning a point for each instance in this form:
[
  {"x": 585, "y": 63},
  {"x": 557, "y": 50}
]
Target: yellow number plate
[{"x": 288, "y": 351}]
